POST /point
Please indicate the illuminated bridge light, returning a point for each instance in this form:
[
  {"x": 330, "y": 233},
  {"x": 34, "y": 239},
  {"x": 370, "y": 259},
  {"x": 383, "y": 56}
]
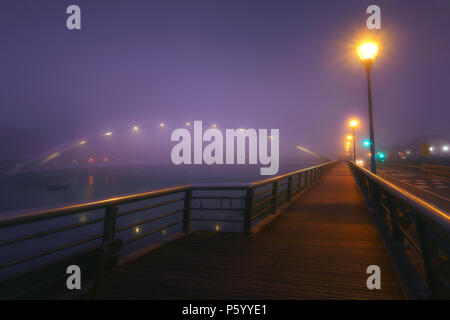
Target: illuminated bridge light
[
  {"x": 162, "y": 124},
  {"x": 82, "y": 142},
  {"x": 188, "y": 124},
  {"x": 49, "y": 158},
  {"x": 137, "y": 230},
  {"x": 108, "y": 133},
  {"x": 368, "y": 51},
  {"x": 214, "y": 125},
  {"x": 135, "y": 128}
]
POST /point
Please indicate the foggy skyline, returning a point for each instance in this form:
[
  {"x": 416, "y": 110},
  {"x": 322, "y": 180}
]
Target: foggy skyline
[{"x": 260, "y": 64}]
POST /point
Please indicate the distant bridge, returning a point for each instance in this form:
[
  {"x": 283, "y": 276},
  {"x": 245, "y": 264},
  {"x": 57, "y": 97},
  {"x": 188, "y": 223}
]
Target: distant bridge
[{"x": 308, "y": 234}]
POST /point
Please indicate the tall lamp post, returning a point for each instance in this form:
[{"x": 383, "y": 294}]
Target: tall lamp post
[
  {"x": 367, "y": 53},
  {"x": 353, "y": 124}
]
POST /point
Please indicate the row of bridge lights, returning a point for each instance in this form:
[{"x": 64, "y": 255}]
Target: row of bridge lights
[
  {"x": 161, "y": 125},
  {"x": 366, "y": 143},
  {"x": 353, "y": 123},
  {"x": 136, "y": 129}
]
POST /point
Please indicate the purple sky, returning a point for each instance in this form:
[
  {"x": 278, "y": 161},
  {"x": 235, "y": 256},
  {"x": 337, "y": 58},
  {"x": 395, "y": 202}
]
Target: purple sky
[{"x": 261, "y": 64}]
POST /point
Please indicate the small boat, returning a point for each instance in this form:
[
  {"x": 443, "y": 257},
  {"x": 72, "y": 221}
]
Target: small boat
[{"x": 57, "y": 186}]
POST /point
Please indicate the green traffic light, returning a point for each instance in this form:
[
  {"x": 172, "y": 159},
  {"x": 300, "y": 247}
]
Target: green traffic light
[{"x": 366, "y": 143}]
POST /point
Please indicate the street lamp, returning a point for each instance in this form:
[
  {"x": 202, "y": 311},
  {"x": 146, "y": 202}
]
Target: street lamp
[
  {"x": 353, "y": 124},
  {"x": 367, "y": 53}
]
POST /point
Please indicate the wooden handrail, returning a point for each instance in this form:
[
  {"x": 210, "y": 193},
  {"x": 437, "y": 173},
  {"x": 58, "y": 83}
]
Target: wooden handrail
[{"x": 422, "y": 226}]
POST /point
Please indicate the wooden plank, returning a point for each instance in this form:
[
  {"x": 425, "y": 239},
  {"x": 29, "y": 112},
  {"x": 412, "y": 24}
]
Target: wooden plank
[{"x": 319, "y": 248}]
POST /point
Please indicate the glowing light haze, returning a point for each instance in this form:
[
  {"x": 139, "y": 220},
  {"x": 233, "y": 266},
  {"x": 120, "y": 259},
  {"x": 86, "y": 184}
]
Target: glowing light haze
[{"x": 290, "y": 65}]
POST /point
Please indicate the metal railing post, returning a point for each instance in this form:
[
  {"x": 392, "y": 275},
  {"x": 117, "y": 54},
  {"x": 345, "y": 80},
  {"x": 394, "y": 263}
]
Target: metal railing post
[
  {"x": 274, "y": 197},
  {"x": 309, "y": 178},
  {"x": 187, "y": 210},
  {"x": 428, "y": 255},
  {"x": 109, "y": 225},
  {"x": 248, "y": 211},
  {"x": 299, "y": 182},
  {"x": 396, "y": 231},
  {"x": 289, "y": 189}
]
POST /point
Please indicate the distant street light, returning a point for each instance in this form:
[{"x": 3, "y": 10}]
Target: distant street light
[
  {"x": 353, "y": 124},
  {"x": 367, "y": 53}
]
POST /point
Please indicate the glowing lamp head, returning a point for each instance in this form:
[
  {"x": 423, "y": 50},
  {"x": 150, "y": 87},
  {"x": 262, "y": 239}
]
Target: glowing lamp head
[
  {"x": 367, "y": 51},
  {"x": 349, "y": 137},
  {"x": 162, "y": 125},
  {"x": 353, "y": 123},
  {"x": 135, "y": 128}
]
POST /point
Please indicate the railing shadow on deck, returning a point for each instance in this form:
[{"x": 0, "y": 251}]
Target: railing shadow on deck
[
  {"x": 416, "y": 235},
  {"x": 32, "y": 242}
]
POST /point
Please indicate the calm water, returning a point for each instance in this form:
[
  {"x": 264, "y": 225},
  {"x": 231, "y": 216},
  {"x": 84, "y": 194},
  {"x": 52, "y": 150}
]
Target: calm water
[{"x": 28, "y": 191}]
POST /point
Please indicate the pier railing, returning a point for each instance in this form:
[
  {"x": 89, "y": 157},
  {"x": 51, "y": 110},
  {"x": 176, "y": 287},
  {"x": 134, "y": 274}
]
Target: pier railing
[
  {"x": 38, "y": 238},
  {"x": 418, "y": 234}
]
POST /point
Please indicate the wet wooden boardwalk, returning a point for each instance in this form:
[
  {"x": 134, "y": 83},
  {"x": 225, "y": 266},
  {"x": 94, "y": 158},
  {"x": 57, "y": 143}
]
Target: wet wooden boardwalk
[{"x": 318, "y": 248}]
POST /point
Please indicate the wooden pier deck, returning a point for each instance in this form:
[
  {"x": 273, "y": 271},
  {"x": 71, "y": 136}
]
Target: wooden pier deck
[{"x": 318, "y": 248}]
